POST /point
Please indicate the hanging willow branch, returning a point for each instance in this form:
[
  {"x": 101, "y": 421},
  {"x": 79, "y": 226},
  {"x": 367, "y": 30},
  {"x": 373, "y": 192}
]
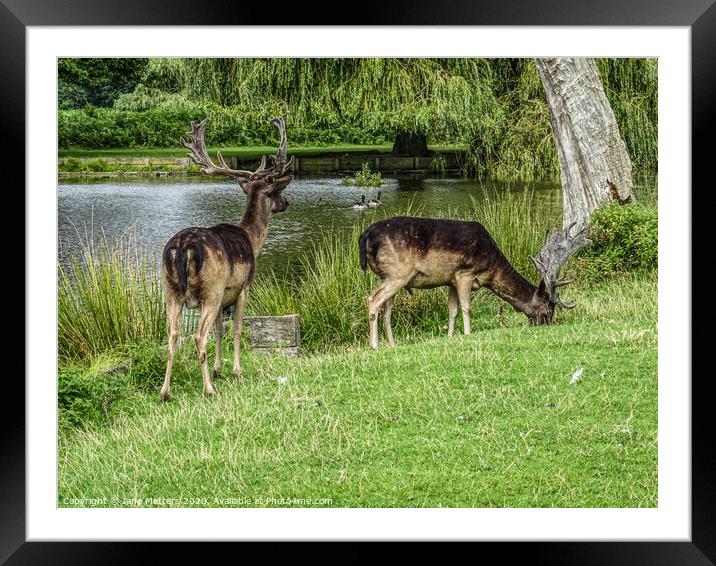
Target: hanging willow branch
[{"x": 496, "y": 107}]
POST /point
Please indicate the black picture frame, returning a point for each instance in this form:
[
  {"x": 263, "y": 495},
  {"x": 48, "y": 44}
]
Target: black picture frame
[{"x": 699, "y": 15}]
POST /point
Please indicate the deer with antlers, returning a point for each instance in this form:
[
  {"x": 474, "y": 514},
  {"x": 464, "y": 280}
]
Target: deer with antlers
[
  {"x": 422, "y": 253},
  {"x": 212, "y": 268}
]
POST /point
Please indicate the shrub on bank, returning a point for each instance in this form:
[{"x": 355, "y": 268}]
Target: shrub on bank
[
  {"x": 625, "y": 238},
  {"x": 108, "y": 297},
  {"x": 87, "y": 396}
]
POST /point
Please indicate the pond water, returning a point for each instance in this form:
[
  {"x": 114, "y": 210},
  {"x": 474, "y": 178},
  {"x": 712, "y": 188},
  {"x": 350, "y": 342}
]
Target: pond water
[{"x": 156, "y": 208}]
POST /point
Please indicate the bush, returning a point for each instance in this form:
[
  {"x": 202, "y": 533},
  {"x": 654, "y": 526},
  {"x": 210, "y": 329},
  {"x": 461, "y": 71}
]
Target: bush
[
  {"x": 97, "y": 81},
  {"x": 625, "y": 239},
  {"x": 86, "y": 395},
  {"x": 364, "y": 178}
]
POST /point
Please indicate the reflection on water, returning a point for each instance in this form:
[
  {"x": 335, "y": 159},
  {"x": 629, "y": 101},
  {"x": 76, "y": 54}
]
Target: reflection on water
[{"x": 157, "y": 208}]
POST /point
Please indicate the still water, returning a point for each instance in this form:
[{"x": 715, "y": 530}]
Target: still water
[{"x": 156, "y": 208}]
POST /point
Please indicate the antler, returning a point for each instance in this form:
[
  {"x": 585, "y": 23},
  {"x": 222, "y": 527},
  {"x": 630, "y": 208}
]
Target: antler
[
  {"x": 280, "y": 161},
  {"x": 200, "y": 156},
  {"x": 554, "y": 254}
]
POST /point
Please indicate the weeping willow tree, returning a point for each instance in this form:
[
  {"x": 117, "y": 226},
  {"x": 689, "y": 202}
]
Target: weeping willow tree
[
  {"x": 412, "y": 100},
  {"x": 494, "y": 108}
]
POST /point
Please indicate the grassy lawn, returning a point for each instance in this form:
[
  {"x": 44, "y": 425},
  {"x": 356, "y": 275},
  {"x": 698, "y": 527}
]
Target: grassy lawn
[
  {"x": 485, "y": 420},
  {"x": 245, "y": 152}
]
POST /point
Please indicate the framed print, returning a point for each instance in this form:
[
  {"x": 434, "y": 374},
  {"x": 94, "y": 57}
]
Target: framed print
[{"x": 592, "y": 452}]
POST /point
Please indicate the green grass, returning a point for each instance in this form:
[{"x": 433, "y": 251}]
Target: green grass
[
  {"x": 485, "y": 420},
  {"x": 73, "y": 165},
  {"x": 244, "y": 152},
  {"x": 479, "y": 421}
]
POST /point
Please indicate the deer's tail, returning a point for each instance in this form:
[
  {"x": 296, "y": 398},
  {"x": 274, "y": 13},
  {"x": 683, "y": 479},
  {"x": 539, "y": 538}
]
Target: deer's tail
[
  {"x": 185, "y": 254},
  {"x": 362, "y": 250}
]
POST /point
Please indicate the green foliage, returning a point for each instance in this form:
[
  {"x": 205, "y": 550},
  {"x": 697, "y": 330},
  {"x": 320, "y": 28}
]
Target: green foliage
[
  {"x": 364, "y": 178},
  {"x": 96, "y": 82},
  {"x": 107, "y": 128},
  {"x": 439, "y": 164},
  {"x": 87, "y": 395},
  {"x": 631, "y": 85},
  {"x": 625, "y": 239},
  {"x": 441, "y": 96},
  {"x": 496, "y": 107},
  {"x": 150, "y": 119},
  {"x": 518, "y": 141},
  {"x": 164, "y": 74},
  {"x": 98, "y": 165}
]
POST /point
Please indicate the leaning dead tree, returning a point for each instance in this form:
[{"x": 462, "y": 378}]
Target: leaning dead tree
[{"x": 593, "y": 161}]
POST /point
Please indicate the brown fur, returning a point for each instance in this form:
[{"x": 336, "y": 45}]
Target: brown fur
[
  {"x": 423, "y": 253},
  {"x": 212, "y": 268}
]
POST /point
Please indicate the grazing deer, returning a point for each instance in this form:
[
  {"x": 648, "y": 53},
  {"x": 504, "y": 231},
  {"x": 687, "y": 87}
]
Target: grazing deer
[
  {"x": 212, "y": 268},
  {"x": 422, "y": 253}
]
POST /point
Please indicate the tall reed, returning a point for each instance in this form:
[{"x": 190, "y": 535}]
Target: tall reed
[
  {"x": 111, "y": 296},
  {"x": 108, "y": 296},
  {"x": 517, "y": 221}
]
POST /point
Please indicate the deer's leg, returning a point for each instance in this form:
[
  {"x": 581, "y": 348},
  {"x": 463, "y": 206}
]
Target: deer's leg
[
  {"x": 218, "y": 334},
  {"x": 238, "y": 321},
  {"x": 452, "y": 309},
  {"x": 375, "y": 301},
  {"x": 464, "y": 287},
  {"x": 174, "y": 309},
  {"x": 386, "y": 320},
  {"x": 209, "y": 312}
]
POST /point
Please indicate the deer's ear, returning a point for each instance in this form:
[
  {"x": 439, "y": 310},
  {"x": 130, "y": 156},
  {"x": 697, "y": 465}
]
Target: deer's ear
[
  {"x": 244, "y": 182},
  {"x": 279, "y": 185}
]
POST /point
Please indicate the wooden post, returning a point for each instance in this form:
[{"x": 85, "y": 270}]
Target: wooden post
[
  {"x": 274, "y": 334},
  {"x": 266, "y": 334}
]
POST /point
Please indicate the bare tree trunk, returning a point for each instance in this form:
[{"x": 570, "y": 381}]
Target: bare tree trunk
[{"x": 593, "y": 161}]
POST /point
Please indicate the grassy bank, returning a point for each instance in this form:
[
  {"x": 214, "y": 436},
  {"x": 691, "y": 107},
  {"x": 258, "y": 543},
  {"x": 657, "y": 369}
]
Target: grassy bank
[
  {"x": 161, "y": 160},
  {"x": 485, "y": 420},
  {"x": 111, "y": 297},
  {"x": 243, "y": 152},
  {"x": 490, "y": 419}
]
